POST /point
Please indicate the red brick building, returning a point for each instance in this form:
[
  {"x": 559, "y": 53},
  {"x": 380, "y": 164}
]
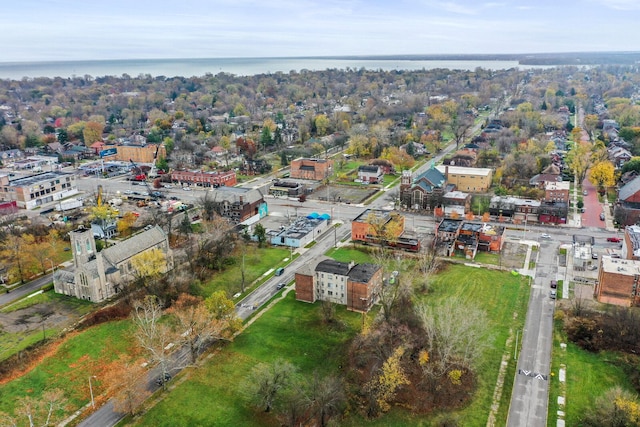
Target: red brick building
[
  {"x": 316, "y": 169},
  {"x": 205, "y": 179},
  {"x": 355, "y": 285},
  {"x": 618, "y": 282}
]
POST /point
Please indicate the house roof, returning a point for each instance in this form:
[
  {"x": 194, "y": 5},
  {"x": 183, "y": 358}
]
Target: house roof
[
  {"x": 544, "y": 177},
  {"x": 432, "y": 177},
  {"x": 629, "y": 189},
  {"x": 369, "y": 168}
]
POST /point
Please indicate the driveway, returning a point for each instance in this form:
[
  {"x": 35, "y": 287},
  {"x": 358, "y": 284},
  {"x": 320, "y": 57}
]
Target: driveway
[{"x": 593, "y": 208}]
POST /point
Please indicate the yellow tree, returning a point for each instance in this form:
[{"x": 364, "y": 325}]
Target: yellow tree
[
  {"x": 124, "y": 225},
  {"x": 92, "y": 132},
  {"x": 359, "y": 146},
  {"x": 383, "y": 387},
  {"x": 400, "y": 159},
  {"x": 322, "y": 124},
  {"x": 602, "y": 175},
  {"x": 578, "y": 160},
  {"x": 590, "y": 123},
  {"x": 149, "y": 264}
]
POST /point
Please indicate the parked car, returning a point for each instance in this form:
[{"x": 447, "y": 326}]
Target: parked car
[
  {"x": 161, "y": 380},
  {"x": 545, "y": 236},
  {"x": 554, "y": 284},
  {"x": 552, "y": 294},
  {"x": 594, "y": 256},
  {"x": 614, "y": 239},
  {"x": 584, "y": 193},
  {"x": 280, "y": 286},
  {"x": 601, "y": 216}
]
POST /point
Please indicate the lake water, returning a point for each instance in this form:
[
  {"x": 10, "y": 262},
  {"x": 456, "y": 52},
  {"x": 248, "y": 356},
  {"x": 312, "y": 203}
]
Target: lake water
[{"x": 237, "y": 66}]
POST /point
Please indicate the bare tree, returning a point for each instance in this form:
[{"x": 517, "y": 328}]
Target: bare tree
[
  {"x": 325, "y": 398},
  {"x": 42, "y": 411},
  {"x": 152, "y": 335},
  {"x": 454, "y": 335},
  {"x": 267, "y": 381},
  {"x": 129, "y": 387}
]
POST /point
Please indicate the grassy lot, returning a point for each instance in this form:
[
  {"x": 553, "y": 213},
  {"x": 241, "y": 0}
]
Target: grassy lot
[
  {"x": 347, "y": 254},
  {"x": 256, "y": 262},
  {"x": 588, "y": 375},
  {"x": 69, "y": 367},
  {"x": 293, "y": 330}
]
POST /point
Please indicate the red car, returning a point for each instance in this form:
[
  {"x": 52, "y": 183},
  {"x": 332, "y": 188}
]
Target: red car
[{"x": 614, "y": 239}]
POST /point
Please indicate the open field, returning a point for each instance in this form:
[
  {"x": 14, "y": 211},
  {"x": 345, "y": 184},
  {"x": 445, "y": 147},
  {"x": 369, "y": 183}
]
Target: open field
[{"x": 294, "y": 331}]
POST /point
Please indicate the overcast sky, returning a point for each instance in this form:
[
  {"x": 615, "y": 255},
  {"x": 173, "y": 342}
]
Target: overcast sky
[{"x": 45, "y": 30}]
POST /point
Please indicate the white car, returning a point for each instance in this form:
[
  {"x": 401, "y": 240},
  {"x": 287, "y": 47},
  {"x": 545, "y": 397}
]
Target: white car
[
  {"x": 545, "y": 236},
  {"x": 186, "y": 188}
]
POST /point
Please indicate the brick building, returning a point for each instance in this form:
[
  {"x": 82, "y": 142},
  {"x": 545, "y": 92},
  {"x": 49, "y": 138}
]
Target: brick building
[
  {"x": 238, "y": 204},
  {"x": 315, "y": 169},
  {"x": 356, "y": 286},
  {"x": 556, "y": 191},
  {"x": 372, "y": 222},
  {"x": 474, "y": 180},
  {"x": 425, "y": 191},
  {"x": 205, "y": 179},
  {"x": 618, "y": 282}
]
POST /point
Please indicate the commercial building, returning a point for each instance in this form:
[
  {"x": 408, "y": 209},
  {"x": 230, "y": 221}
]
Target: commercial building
[
  {"x": 204, "y": 179},
  {"x": 303, "y": 231},
  {"x": 37, "y": 190},
  {"x": 138, "y": 153},
  {"x": 474, "y": 180},
  {"x": 96, "y": 276},
  {"x": 556, "y": 191},
  {"x": 456, "y": 203},
  {"x": 618, "y": 282},
  {"x": 284, "y": 188},
  {"x": 356, "y": 286}
]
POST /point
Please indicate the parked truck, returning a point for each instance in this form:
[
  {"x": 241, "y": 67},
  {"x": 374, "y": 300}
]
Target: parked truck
[{"x": 68, "y": 205}]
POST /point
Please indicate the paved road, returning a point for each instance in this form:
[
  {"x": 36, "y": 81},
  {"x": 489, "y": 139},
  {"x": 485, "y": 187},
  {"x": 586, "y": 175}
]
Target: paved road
[
  {"x": 24, "y": 290},
  {"x": 593, "y": 208},
  {"x": 529, "y": 398}
]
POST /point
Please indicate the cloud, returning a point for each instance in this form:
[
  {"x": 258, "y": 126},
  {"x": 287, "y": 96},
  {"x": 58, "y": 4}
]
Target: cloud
[{"x": 620, "y": 4}]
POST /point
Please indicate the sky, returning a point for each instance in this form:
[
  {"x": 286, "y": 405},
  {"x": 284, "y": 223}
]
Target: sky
[{"x": 65, "y": 30}]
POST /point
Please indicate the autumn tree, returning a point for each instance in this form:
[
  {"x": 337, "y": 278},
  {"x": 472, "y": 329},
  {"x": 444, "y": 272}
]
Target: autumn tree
[
  {"x": 197, "y": 325},
  {"x": 92, "y": 132},
  {"x": 578, "y": 160},
  {"x": 615, "y": 408},
  {"x": 400, "y": 159},
  {"x": 382, "y": 388},
  {"x": 322, "y": 124},
  {"x": 223, "y": 310},
  {"x": 128, "y": 386},
  {"x": 590, "y": 124},
  {"x": 149, "y": 264},
  {"x": 325, "y": 398},
  {"x": 125, "y": 223},
  {"x": 602, "y": 175},
  {"x": 12, "y": 253},
  {"x": 360, "y": 146}
]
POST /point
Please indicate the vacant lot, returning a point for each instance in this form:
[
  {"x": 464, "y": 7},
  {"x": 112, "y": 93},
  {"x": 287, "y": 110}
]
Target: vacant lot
[{"x": 295, "y": 332}]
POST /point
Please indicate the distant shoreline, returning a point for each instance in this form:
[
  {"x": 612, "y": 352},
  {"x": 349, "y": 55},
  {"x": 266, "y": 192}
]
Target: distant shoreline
[{"x": 198, "y": 67}]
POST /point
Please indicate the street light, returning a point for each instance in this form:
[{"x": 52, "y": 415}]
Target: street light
[
  {"x": 93, "y": 404},
  {"x": 53, "y": 271}
]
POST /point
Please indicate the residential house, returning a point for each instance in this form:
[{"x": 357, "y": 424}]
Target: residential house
[
  {"x": 314, "y": 169},
  {"x": 96, "y": 276},
  {"x": 618, "y": 282},
  {"x": 464, "y": 158},
  {"x": 425, "y": 191},
  {"x": 618, "y": 155},
  {"x": 357, "y": 286},
  {"x": 474, "y": 180},
  {"x": 370, "y": 174},
  {"x": 627, "y": 209},
  {"x": 386, "y": 165}
]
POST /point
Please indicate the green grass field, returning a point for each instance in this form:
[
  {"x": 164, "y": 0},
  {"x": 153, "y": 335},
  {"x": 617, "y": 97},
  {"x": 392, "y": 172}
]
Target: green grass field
[
  {"x": 256, "y": 262},
  {"x": 588, "y": 375},
  {"x": 293, "y": 330},
  {"x": 71, "y": 366}
]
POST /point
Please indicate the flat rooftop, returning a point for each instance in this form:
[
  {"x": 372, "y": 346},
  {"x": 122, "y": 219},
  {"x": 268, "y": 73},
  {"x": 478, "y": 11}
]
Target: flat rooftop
[{"x": 625, "y": 267}]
